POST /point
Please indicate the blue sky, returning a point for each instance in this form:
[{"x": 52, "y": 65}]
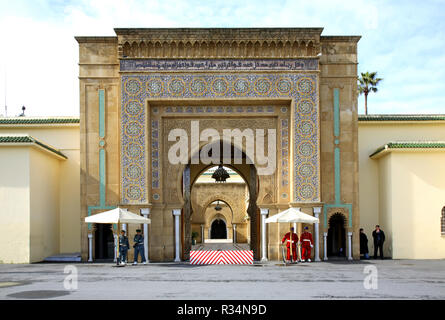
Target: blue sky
[{"x": 404, "y": 41}]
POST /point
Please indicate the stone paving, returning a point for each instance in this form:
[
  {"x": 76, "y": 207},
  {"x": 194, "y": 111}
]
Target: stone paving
[{"x": 396, "y": 279}]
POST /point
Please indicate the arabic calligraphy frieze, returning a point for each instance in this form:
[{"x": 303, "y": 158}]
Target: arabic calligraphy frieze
[{"x": 219, "y": 64}]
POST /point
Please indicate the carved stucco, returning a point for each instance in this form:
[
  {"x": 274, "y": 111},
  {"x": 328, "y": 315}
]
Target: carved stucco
[
  {"x": 343, "y": 211},
  {"x": 172, "y": 190},
  {"x": 211, "y": 43}
]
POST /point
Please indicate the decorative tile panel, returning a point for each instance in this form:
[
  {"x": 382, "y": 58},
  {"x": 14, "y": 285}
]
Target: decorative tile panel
[
  {"x": 138, "y": 88},
  {"x": 284, "y": 150},
  {"x": 155, "y": 177},
  {"x": 218, "y": 109}
]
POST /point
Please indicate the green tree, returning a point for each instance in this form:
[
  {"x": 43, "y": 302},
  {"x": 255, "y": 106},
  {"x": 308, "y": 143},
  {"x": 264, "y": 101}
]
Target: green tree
[{"x": 368, "y": 83}]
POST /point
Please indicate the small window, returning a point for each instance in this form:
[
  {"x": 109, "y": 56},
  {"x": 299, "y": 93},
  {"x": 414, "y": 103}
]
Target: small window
[{"x": 442, "y": 221}]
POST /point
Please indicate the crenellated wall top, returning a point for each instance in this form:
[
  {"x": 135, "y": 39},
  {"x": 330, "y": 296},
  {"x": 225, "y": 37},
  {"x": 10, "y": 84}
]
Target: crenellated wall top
[{"x": 219, "y": 42}]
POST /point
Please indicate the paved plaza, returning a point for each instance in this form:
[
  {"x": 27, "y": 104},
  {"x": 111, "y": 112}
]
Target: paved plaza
[{"x": 395, "y": 279}]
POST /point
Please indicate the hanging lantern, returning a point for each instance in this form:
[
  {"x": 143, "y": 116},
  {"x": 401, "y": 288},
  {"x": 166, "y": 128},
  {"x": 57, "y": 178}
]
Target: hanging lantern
[
  {"x": 218, "y": 207},
  {"x": 220, "y": 174}
]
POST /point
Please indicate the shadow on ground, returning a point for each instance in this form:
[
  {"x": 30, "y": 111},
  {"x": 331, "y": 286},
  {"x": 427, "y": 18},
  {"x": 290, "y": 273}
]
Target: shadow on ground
[{"x": 39, "y": 294}]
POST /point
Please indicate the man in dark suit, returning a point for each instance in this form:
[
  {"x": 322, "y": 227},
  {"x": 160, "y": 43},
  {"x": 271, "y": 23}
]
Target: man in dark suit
[{"x": 379, "y": 238}]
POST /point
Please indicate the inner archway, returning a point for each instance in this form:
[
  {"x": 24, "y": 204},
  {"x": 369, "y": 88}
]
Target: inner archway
[
  {"x": 219, "y": 209},
  {"x": 336, "y": 242},
  {"x": 238, "y": 193},
  {"x": 218, "y": 229}
]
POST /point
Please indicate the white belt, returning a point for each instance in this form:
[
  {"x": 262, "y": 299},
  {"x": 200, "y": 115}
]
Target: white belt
[{"x": 306, "y": 240}]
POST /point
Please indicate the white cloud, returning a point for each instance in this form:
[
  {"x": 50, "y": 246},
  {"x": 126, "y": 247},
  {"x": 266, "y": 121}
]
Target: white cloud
[{"x": 40, "y": 62}]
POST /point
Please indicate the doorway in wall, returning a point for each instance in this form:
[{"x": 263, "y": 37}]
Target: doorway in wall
[
  {"x": 104, "y": 242},
  {"x": 218, "y": 229},
  {"x": 336, "y": 236}
]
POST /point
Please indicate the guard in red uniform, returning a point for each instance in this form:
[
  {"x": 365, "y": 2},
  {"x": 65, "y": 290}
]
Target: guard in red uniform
[
  {"x": 306, "y": 245},
  {"x": 294, "y": 244}
]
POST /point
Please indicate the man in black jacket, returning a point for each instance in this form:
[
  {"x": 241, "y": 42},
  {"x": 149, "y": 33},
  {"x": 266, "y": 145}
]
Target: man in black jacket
[{"x": 379, "y": 238}]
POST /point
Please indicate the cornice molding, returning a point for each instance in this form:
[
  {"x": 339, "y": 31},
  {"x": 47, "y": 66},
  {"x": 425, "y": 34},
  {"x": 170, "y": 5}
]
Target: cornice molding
[
  {"x": 219, "y": 43},
  {"x": 410, "y": 146}
]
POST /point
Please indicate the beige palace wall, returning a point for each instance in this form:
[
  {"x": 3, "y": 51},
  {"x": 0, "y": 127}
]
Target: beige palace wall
[
  {"x": 66, "y": 139},
  {"x": 15, "y": 204},
  {"x": 44, "y": 205},
  {"x": 403, "y": 191},
  {"x": 69, "y": 201},
  {"x": 417, "y": 198},
  {"x": 384, "y": 206}
]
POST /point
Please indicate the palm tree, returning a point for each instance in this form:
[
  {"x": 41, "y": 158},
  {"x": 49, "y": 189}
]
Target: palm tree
[{"x": 367, "y": 83}]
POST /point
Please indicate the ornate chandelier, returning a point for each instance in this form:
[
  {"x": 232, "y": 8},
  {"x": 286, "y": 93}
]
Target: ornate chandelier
[{"x": 220, "y": 174}]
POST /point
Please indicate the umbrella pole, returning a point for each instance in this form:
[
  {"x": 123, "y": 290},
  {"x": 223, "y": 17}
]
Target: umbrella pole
[
  {"x": 117, "y": 243},
  {"x": 290, "y": 243},
  {"x": 299, "y": 237}
]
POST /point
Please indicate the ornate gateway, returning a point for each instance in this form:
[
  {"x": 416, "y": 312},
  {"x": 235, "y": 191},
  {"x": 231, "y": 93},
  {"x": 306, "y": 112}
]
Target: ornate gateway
[{"x": 141, "y": 84}]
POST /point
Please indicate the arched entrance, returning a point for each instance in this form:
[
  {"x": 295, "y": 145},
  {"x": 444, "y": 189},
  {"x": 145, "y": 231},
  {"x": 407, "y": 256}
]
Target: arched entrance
[
  {"x": 104, "y": 242},
  {"x": 249, "y": 223},
  {"x": 213, "y": 213},
  {"x": 218, "y": 229},
  {"x": 336, "y": 242}
]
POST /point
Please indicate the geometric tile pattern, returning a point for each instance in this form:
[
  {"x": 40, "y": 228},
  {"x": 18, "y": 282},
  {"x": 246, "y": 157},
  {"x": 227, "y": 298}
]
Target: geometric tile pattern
[
  {"x": 284, "y": 150},
  {"x": 219, "y": 109},
  {"x": 155, "y": 172}
]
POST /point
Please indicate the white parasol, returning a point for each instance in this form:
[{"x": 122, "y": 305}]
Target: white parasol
[
  {"x": 117, "y": 215},
  {"x": 292, "y": 215}
]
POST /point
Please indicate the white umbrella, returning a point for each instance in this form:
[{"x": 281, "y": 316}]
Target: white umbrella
[
  {"x": 292, "y": 215},
  {"x": 117, "y": 215}
]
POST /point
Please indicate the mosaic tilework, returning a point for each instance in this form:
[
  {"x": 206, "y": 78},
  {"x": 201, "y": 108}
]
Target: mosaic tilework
[
  {"x": 215, "y": 85},
  {"x": 155, "y": 173},
  {"x": 133, "y": 169},
  {"x": 136, "y": 89},
  {"x": 284, "y": 148},
  {"x": 218, "y": 109}
]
